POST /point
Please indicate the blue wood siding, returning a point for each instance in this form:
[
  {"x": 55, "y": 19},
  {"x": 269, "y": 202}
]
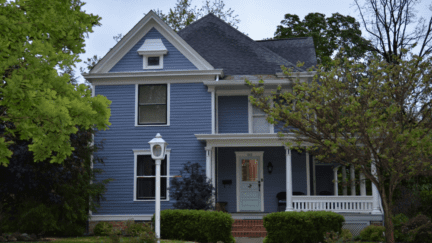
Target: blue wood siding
[
  {"x": 173, "y": 60},
  {"x": 233, "y": 114},
  {"x": 190, "y": 114},
  {"x": 273, "y": 183}
]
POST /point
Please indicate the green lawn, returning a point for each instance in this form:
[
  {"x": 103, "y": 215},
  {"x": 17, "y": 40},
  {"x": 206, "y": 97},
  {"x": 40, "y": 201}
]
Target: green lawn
[
  {"x": 95, "y": 239},
  {"x": 105, "y": 239}
]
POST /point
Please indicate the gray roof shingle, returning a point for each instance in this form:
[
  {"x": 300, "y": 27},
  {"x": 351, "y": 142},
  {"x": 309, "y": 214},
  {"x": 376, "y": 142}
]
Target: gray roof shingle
[
  {"x": 225, "y": 47},
  {"x": 294, "y": 49}
]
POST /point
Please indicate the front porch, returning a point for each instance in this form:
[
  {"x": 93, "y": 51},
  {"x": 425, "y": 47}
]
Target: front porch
[{"x": 310, "y": 186}]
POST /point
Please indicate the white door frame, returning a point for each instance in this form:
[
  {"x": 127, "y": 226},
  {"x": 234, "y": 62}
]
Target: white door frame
[{"x": 261, "y": 174}]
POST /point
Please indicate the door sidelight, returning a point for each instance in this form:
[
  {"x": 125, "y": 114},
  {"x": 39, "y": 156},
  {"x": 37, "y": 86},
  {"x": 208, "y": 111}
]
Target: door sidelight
[{"x": 259, "y": 186}]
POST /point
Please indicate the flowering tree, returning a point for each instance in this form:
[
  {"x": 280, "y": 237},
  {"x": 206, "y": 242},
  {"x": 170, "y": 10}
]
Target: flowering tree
[{"x": 362, "y": 114}]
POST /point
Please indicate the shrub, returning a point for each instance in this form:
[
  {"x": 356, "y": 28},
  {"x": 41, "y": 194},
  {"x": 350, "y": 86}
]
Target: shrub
[
  {"x": 196, "y": 225},
  {"x": 373, "y": 233},
  {"x": 398, "y": 221},
  {"x": 301, "y": 226},
  {"x": 194, "y": 191},
  {"x": 424, "y": 233},
  {"x": 103, "y": 229},
  {"x": 335, "y": 237},
  {"x": 135, "y": 229},
  {"x": 147, "y": 236},
  {"x": 411, "y": 227},
  {"x": 426, "y": 201}
]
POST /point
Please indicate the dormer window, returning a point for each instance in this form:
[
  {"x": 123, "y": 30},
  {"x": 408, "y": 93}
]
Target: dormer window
[
  {"x": 153, "y": 51},
  {"x": 153, "y": 61}
]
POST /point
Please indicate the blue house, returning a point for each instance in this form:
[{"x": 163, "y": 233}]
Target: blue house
[{"x": 189, "y": 87}]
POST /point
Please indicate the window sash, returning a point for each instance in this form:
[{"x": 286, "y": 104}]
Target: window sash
[
  {"x": 146, "y": 189},
  {"x": 153, "y": 61},
  {"x": 160, "y": 114},
  {"x": 258, "y": 119},
  {"x": 146, "y": 178},
  {"x": 144, "y": 169}
]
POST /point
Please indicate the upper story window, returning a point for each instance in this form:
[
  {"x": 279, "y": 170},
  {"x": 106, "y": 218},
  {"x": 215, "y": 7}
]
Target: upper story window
[
  {"x": 258, "y": 121},
  {"x": 153, "y": 51},
  {"x": 153, "y": 61},
  {"x": 153, "y": 104}
]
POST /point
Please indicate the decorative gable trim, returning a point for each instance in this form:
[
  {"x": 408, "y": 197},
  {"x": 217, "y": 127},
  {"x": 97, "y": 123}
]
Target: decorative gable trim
[{"x": 151, "y": 20}]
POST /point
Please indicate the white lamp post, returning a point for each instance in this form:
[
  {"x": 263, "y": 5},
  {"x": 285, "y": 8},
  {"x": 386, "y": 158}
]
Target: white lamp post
[{"x": 158, "y": 148}]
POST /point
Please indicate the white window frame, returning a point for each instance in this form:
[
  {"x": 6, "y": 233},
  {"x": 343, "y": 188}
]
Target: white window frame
[
  {"x": 145, "y": 62},
  {"x": 168, "y": 106},
  {"x": 148, "y": 152},
  {"x": 250, "y": 118}
]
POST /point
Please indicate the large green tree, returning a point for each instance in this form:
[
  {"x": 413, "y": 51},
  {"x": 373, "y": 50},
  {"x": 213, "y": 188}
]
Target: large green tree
[
  {"x": 329, "y": 34},
  {"x": 183, "y": 14},
  {"x": 363, "y": 113},
  {"x": 36, "y": 36}
]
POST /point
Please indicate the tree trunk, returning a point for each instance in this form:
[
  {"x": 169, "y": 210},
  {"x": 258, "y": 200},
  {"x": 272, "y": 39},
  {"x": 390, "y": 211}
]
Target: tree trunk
[{"x": 389, "y": 230}]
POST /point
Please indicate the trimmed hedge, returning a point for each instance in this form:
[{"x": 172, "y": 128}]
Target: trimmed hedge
[
  {"x": 301, "y": 226},
  {"x": 196, "y": 225}
]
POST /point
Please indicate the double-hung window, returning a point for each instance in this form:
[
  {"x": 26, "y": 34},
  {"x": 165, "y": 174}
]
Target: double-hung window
[
  {"x": 153, "y": 104},
  {"x": 258, "y": 121},
  {"x": 146, "y": 177}
]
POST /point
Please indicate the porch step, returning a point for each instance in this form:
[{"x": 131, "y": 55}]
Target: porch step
[{"x": 248, "y": 228}]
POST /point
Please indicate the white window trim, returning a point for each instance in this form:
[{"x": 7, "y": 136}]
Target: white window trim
[
  {"x": 168, "y": 106},
  {"x": 145, "y": 62},
  {"x": 148, "y": 152},
  {"x": 250, "y": 117}
]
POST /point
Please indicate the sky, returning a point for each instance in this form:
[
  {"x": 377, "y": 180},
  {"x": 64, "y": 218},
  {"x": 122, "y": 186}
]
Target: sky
[{"x": 258, "y": 18}]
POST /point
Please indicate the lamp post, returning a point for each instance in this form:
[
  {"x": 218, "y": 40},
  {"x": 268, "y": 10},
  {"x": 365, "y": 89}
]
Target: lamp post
[{"x": 158, "y": 151}]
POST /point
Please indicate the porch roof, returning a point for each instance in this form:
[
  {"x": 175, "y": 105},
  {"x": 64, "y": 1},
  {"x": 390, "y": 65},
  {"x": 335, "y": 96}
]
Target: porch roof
[{"x": 245, "y": 139}]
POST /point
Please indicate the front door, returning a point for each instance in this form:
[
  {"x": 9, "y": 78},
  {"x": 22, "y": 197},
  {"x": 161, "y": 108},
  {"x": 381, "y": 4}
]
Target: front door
[{"x": 249, "y": 182}]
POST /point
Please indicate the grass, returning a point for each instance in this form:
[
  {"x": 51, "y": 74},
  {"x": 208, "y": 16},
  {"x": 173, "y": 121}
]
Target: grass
[
  {"x": 105, "y": 239},
  {"x": 93, "y": 239}
]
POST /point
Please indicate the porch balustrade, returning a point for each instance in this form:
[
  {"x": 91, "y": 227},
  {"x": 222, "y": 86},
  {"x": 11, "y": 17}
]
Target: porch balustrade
[{"x": 357, "y": 204}]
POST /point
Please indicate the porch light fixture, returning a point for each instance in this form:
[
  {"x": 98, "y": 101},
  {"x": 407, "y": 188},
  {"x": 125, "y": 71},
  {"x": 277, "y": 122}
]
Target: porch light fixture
[
  {"x": 158, "y": 151},
  {"x": 270, "y": 167}
]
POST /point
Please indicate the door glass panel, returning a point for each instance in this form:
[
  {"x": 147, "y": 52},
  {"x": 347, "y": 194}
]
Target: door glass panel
[{"x": 249, "y": 170}]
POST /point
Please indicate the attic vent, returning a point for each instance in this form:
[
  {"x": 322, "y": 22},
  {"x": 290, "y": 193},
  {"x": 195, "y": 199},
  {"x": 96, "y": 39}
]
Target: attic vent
[{"x": 152, "y": 51}]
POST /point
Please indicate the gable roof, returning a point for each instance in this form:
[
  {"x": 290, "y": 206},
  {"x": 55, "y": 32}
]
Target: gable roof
[
  {"x": 225, "y": 47},
  {"x": 149, "y": 21},
  {"x": 293, "y": 49}
]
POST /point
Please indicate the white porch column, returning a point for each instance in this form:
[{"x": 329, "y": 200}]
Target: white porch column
[
  {"x": 375, "y": 193},
  {"x": 344, "y": 180},
  {"x": 213, "y": 111},
  {"x": 213, "y": 175},
  {"x": 362, "y": 185},
  {"x": 335, "y": 175},
  {"x": 289, "y": 200},
  {"x": 307, "y": 174},
  {"x": 208, "y": 150},
  {"x": 352, "y": 177}
]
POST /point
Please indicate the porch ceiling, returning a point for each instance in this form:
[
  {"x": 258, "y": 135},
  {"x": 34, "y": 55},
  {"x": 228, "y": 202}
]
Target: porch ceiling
[{"x": 245, "y": 139}]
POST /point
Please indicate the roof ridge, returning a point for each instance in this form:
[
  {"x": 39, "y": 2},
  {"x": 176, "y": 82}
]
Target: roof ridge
[{"x": 292, "y": 38}]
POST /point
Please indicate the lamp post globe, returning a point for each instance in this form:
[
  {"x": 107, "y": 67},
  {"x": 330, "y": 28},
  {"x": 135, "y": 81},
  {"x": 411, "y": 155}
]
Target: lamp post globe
[{"x": 158, "y": 148}]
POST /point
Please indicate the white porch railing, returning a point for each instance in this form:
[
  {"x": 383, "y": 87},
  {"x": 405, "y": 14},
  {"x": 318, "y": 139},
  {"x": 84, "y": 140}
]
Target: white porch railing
[{"x": 357, "y": 204}]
